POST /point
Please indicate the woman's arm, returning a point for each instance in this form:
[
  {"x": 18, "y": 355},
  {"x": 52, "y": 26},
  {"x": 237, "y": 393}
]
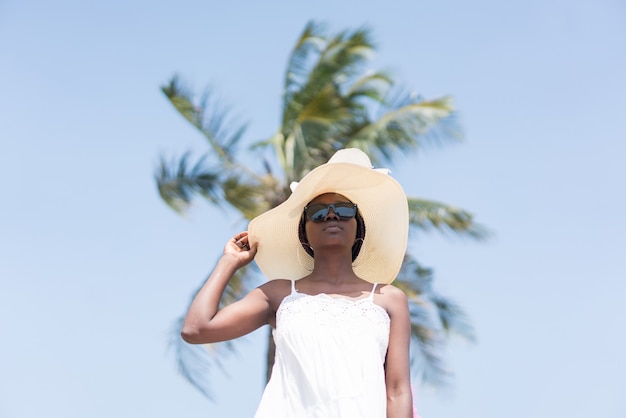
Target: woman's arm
[
  {"x": 204, "y": 323},
  {"x": 397, "y": 364}
]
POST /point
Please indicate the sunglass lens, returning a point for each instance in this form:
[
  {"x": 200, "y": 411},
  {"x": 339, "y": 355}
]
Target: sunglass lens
[
  {"x": 317, "y": 213},
  {"x": 345, "y": 212}
]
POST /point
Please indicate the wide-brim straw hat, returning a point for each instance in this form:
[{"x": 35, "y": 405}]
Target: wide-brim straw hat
[{"x": 381, "y": 202}]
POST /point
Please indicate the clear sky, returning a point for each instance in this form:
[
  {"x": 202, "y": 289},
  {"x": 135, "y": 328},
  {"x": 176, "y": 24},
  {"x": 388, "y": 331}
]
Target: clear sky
[{"x": 94, "y": 268}]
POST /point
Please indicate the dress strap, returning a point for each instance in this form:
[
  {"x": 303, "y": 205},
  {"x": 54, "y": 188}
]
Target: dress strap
[
  {"x": 293, "y": 287},
  {"x": 371, "y": 296}
]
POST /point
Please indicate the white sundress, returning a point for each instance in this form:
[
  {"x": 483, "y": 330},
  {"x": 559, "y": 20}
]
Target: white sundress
[{"x": 330, "y": 354}]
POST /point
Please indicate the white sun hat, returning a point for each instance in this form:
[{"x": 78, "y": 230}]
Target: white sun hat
[{"x": 381, "y": 202}]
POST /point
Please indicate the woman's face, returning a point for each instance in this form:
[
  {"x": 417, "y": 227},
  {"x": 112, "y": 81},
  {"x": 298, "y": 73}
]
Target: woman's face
[{"x": 332, "y": 231}]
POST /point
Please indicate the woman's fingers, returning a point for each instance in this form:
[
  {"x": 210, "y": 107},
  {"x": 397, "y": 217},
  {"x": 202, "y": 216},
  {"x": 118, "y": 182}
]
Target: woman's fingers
[{"x": 241, "y": 241}]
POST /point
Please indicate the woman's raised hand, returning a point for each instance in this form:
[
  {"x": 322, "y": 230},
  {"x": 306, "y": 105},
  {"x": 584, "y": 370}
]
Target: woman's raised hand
[{"x": 240, "y": 248}]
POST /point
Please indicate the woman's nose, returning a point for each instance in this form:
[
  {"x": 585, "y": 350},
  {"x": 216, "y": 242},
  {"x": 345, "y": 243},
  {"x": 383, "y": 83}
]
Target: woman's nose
[{"x": 331, "y": 214}]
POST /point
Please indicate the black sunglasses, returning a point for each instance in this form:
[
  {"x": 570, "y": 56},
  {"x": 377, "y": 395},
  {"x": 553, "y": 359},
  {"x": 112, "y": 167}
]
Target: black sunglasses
[{"x": 319, "y": 211}]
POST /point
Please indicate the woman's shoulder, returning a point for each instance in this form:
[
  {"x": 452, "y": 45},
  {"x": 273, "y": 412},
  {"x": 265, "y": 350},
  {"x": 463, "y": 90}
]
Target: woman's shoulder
[
  {"x": 391, "y": 298},
  {"x": 276, "y": 284},
  {"x": 276, "y": 290},
  {"x": 391, "y": 291}
]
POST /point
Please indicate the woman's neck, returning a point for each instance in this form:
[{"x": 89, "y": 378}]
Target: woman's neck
[{"x": 333, "y": 268}]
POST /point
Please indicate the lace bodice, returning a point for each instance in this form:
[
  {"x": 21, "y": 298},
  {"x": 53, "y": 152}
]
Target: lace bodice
[
  {"x": 330, "y": 355},
  {"x": 358, "y": 316}
]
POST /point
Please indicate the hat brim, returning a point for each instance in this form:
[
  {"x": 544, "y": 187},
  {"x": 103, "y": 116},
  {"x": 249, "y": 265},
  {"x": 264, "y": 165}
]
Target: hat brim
[{"x": 381, "y": 202}]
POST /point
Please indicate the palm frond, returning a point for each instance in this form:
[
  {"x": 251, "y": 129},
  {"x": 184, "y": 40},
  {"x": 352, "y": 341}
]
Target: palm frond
[
  {"x": 181, "y": 99},
  {"x": 337, "y": 60},
  {"x": 372, "y": 86},
  {"x": 426, "y": 338},
  {"x": 310, "y": 42},
  {"x": 344, "y": 56},
  {"x": 178, "y": 182},
  {"x": 248, "y": 197},
  {"x": 428, "y": 215},
  {"x": 198, "y": 364},
  {"x": 433, "y": 318},
  {"x": 453, "y": 318},
  {"x": 406, "y": 128},
  {"x": 427, "y": 346},
  {"x": 435, "y": 121},
  {"x": 314, "y": 131},
  {"x": 208, "y": 116},
  {"x": 414, "y": 279}
]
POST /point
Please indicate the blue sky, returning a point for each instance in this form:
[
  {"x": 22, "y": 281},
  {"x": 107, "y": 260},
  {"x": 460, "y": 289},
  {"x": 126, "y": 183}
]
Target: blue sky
[{"x": 94, "y": 268}]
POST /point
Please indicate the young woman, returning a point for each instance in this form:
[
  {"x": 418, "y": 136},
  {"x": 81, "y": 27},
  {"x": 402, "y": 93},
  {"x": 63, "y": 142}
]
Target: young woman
[{"x": 341, "y": 329}]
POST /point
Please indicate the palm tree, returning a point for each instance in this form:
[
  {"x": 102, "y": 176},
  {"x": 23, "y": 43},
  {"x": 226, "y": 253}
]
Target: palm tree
[{"x": 330, "y": 101}]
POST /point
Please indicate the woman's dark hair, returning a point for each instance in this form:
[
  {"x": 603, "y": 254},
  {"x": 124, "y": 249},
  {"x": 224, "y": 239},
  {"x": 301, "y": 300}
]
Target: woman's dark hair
[{"x": 356, "y": 247}]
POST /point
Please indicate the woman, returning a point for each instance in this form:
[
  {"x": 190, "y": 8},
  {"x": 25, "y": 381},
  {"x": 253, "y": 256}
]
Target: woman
[{"x": 341, "y": 330}]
